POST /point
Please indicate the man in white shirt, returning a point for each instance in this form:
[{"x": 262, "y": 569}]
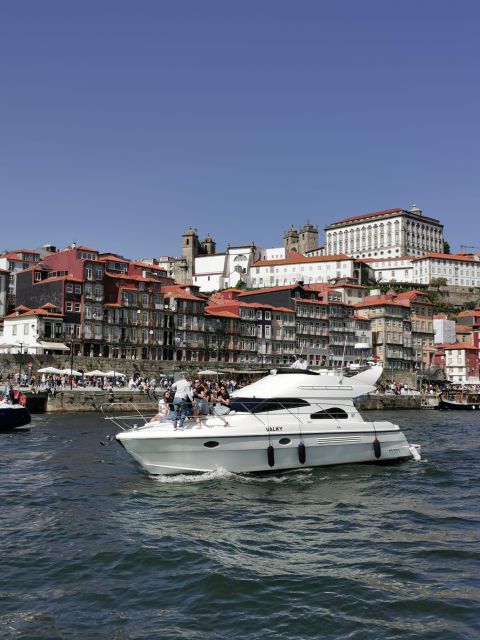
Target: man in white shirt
[
  {"x": 299, "y": 363},
  {"x": 183, "y": 392}
]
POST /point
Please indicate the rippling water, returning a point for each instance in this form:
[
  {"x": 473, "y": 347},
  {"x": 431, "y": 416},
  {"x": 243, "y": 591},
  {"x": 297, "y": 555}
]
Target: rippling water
[{"x": 91, "y": 547}]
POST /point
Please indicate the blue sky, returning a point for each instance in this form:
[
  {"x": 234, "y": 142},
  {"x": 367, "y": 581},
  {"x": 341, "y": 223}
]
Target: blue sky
[{"x": 122, "y": 123}]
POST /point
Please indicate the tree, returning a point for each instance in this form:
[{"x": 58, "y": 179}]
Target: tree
[
  {"x": 438, "y": 282},
  {"x": 446, "y": 247}
]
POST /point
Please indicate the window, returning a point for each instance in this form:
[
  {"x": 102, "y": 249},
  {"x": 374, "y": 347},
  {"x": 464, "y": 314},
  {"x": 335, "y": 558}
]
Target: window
[
  {"x": 25, "y": 329},
  {"x": 268, "y": 315},
  {"x": 78, "y": 288},
  {"x": 258, "y": 405},
  {"x": 69, "y": 288},
  {"x": 77, "y": 307},
  {"x": 98, "y": 273},
  {"x": 328, "y": 414},
  {"x": 69, "y": 306},
  {"x": 38, "y": 276}
]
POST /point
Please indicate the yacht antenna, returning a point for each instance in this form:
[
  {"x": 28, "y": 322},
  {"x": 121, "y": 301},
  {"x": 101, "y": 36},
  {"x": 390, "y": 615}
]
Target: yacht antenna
[{"x": 343, "y": 358}]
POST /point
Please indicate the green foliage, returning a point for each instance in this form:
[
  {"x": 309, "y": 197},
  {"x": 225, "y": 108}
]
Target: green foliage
[{"x": 446, "y": 247}]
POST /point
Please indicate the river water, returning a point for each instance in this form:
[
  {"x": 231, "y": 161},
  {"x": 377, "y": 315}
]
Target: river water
[{"x": 91, "y": 547}]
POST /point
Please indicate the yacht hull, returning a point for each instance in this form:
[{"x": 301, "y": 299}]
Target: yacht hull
[{"x": 187, "y": 452}]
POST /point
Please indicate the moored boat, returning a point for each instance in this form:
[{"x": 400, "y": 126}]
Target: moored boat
[
  {"x": 459, "y": 400},
  {"x": 13, "y": 416},
  {"x": 286, "y": 420}
]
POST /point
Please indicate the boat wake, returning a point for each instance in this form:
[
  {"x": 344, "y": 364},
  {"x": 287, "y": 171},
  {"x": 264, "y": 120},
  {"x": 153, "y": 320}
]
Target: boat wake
[{"x": 189, "y": 478}]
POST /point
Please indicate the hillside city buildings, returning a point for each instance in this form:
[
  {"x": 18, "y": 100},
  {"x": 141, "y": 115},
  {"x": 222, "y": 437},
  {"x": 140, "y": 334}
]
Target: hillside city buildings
[{"x": 249, "y": 305}]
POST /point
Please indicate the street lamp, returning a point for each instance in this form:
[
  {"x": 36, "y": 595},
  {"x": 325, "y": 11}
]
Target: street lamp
[
  {"x": 71, "y": 359},
  {"x": 20, "y": 367}
]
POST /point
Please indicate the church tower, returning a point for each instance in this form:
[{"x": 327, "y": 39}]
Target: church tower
[
  {"x": 308, "y": 238},
  {"x": 290, "y": 240},
  {"x": 190, "y": 250},
  {"x": 208, "y": 246}
]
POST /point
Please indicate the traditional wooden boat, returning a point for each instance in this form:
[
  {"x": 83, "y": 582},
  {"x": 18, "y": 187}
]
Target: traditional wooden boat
[{"x": 459, "y": 400}]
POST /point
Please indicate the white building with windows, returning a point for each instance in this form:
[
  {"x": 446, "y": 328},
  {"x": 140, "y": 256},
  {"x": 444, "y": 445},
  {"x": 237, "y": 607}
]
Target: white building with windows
[
  {"x": 383, "y": 234},
  {"x": 444, "y": 330},
  {"x": 299, "y": 268},
  {"x": 393, "y": 269},
  {"x": 33, "y": 331},
  {"x": 459, "y": 270},
  {"x": 224, "y": 270}
]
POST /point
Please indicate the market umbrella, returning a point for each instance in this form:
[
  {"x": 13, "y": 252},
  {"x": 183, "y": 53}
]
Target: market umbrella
[
  {"x": 72, "y": 372},
  {"x": 208, "y": 372},
  {"x": 50, "y": 370},
  {"x": 114, "y": 374},
  {"x": 95, "y": 373}
]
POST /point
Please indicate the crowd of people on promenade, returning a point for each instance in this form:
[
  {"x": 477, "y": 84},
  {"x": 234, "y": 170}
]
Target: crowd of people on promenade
[{"x": 394, "y": 388}]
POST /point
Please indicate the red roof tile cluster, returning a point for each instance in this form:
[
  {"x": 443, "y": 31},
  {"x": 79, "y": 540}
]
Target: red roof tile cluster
[
  {"x": 458, "y": 257},
  {"x": 459, "y": 346},
  {"x": 375, "y": 214}
]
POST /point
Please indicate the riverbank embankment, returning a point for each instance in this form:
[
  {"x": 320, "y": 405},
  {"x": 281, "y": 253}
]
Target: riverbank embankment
[{"x": 127, "y": 400}]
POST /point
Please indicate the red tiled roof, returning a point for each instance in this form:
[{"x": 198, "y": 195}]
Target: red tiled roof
[
  {"x": 461, "y": 328},
  {"x": 84, "y": 248},
  {"x": 369, "y": 215},
  {"x": 35, "y": 312},
  {"x": 411, "y": 295},
  {"x": 222, "y": 313},
  {"x": 181, "y": 294},
  {"x": 447, "y": 256},
  {"x": 112, "y": 256},
  {"x": 381, "y": 300},
  {"x": 459, "y": 346},
  {"x": 472, "y": 312}
]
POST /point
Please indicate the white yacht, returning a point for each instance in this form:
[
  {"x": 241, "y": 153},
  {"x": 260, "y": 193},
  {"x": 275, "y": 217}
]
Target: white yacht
[{"x": 289, "y": 419}]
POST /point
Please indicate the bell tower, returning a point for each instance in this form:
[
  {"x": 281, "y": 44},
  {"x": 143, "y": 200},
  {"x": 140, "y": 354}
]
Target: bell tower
[
  {"x": 190, "y": 250},
  {"x": 290, "y": 240},
  {"x": 308, "y": 238}
]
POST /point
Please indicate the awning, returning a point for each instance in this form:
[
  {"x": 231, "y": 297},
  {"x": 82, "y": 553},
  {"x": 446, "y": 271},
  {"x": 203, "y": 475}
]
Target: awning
[{"x": 57, "y": 346}]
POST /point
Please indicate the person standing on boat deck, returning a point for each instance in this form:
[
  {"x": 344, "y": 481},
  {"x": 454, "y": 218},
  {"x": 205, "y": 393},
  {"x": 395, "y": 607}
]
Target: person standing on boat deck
[
  {"x": 200, "y": 402},
  {"x": 183, "y": 393},
  {"x": 299, "y": 363}
]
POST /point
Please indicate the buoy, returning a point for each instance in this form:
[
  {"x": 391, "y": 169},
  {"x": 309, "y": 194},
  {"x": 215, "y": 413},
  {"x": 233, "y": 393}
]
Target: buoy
[
  {"x": 301, "y": 453},
  {"x": 23, "y": 400},
  {"x": 270, "y": 455},
  {"x": 377, "y": 449},
  {"x": 413, "y": 450}
]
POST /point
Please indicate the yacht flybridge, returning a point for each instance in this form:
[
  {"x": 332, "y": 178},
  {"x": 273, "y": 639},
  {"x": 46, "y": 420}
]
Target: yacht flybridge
[{"x": 289, "y": 419}]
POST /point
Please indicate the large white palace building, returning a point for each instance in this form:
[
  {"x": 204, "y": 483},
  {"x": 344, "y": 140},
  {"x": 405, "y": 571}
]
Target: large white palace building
[{"x": 384, "y": 234}]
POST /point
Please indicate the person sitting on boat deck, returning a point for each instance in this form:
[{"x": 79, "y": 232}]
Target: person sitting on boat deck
[
  {"x": 168, "y": 400},
  {"x": 299, "y": 363},
  {"x": 222, "y": 406},
  {"x": 183, "y": 393},
  {"x": 200, "y": 407}
]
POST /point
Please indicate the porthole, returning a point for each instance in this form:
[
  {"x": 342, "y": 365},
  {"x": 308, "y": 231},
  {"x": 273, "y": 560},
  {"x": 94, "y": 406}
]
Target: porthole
[
  {"x": 284, "y": 441},
  {"x": 211, "y": 444}
]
